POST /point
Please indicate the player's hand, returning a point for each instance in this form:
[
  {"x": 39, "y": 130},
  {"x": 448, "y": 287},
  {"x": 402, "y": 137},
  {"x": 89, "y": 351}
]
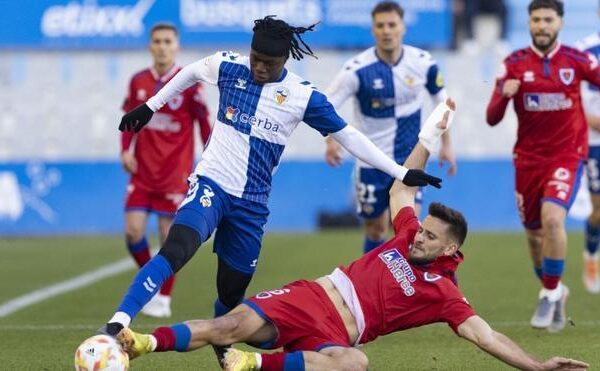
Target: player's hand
[
  {"x": 510, "y": 87},
  {"x": 129, "y": 162},
  {"x": 419, "y": 178},
  {"x": 447, "y": 155},
  {"x": 135, "y": 119},
  {"x": 333, "y": 153},
  {"x": 560, "y": 363}
]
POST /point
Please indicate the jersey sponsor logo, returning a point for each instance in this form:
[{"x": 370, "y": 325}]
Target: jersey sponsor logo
[
  {"x": 235, "y": 115},
  {"x": 431, "y": 277},
  {"x": 271, "y": 293},
  {"x": 164, "y": 122},
  {"x": 207, "y": 195},
  {"x": 566, "y": 75},
  {"x": 241, "y": 84},
  {"x": 281, "y": 94},
  {"x": 540, "y": 102},
  {"x": 528, "y": 76},
  {"x": 400, "y": 269},
  {"x": 175, "y": 102},
  {"x": 378, "y": 84}
]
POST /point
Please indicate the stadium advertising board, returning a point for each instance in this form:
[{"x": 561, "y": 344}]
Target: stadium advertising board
[{"x": 109, "y": 24}]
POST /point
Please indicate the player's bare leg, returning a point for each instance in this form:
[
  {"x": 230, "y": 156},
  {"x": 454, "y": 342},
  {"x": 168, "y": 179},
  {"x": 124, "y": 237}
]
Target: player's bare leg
[
  {"x": 376, "y": 231},
  {"x": 534, "y": 241},
  {"x": 550, "y": 312},
  {"x": 135, "y": 225},
  {"x": 591, "y": 269},
  {"x": 242, "y": 324}
]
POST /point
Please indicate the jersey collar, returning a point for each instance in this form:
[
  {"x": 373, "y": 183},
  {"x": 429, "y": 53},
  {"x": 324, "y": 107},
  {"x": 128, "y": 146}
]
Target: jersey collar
[
  {"x": 167, "y": 76},
  {"x": 548, "y": 55},
  {"x": 386, "y": 63}
]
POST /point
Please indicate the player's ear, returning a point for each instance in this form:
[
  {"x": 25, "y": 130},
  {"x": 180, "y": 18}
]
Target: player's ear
[{"x": 451, "y": 249}]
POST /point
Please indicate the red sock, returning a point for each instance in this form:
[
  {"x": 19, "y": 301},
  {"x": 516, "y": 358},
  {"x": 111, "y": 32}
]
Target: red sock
[
  {"x": 550, "y": 282},
  {"x": 272, "y": 362},
  {"x": 140, "y": 251},
  {"x": 167, "y": 287},
  {"x": 165, "y": 339}
]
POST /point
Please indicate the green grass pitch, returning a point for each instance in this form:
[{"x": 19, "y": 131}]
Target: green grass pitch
[{"x": 496, "y": 277}]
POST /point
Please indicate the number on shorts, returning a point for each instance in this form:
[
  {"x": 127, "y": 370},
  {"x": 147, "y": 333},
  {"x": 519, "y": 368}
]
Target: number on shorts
[
  {"x": 366, "y": 193},
  {"x": 593, "y": 174}
]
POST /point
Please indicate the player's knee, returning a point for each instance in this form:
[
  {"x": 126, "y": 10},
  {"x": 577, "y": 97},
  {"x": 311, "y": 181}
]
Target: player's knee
[
  {"x": 552, "y": 222},
  {"x": 180, "y": 246},
  {"x": 134, "y": 233},
  {"x": 375, "y": 229},
  {"x": 353, "y": 360}
]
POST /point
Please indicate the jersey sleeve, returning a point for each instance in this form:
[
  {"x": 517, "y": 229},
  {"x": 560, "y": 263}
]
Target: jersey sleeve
[
  {"x": 128, "y": 105},
  {"x": 591, "y": 70},
  {"x": 321, "y": 115},
  {"x": 456, "y": 309},
  {"x": 344, "y": 85},
  {"x": 497, "y": 106},
  {"x": 435, "y": 81},
  {"x": 406, "y": 224},
  {"x": 206, "y": 70},
  {"x": 199, "y": 112}
]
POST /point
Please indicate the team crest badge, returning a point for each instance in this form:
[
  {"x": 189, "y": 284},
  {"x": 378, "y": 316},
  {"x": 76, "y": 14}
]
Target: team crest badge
[
  {"x": 566, "y": 75},
  {"x": 281, "y": 94}
]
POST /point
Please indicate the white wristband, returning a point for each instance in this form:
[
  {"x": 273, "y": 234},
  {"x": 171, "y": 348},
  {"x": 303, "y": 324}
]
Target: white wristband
[{"x": 430, "y": 133}]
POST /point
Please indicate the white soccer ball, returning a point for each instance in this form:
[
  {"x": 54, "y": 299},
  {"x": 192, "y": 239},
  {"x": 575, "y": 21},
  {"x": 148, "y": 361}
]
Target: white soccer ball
[{"x": 101, "y": 352}]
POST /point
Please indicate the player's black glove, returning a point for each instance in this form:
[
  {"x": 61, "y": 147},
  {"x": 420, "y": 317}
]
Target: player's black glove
[
  {"x": 419, "y": 178},
  {"x": 135, "y": 119}
]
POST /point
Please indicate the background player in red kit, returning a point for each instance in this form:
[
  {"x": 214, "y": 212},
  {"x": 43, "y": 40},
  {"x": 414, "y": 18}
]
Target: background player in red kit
[
  {"x": 160, "y": 157},
  {"x": 404, "y": 283},
  {"x": 543, "y": 81}
]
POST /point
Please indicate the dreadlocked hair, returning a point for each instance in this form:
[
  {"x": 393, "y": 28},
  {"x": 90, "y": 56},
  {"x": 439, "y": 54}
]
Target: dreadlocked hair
[{"x": 279, "y": 28}]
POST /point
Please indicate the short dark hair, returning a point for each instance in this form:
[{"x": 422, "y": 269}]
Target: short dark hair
[
  {"x": 457, "y": 225},
  {"x": 557, "y": 5},
  {"x": 387, "y": 6},
  {"x": 164, "y": 26}
]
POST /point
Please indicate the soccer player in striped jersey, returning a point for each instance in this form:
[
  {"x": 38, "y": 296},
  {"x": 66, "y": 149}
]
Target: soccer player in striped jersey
[{"x": 388, "y": 84}]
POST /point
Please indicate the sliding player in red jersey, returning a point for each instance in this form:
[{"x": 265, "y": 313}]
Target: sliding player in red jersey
[
  {"x": 160, "y": 157},
  {"x": 543, "y": 82},
  {"x": 406, "y": 282}
]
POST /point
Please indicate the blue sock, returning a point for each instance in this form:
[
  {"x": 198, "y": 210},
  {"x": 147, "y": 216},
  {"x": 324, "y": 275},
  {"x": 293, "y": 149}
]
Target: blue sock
[
  {"x": 220, "y": 308},
  {"x": 538, "y": 272},
  {"x": 294, "y": 362},
  {"x": 146, "y": 283},
  {"x": 182, "y": 337},
  {"x": 370, "y": 244},
  {"x": 592, "y": 237},
  {"x": 138, "y": 246}
]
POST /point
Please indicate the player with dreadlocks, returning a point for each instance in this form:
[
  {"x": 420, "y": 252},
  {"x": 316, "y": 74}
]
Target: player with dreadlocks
[{"x": 260, "y": 105}]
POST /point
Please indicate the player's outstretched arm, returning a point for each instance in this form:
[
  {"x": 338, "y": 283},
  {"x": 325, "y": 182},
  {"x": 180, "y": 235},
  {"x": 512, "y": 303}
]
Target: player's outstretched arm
[
  {"x": 477, "y": 331},
  {"x": 436, "y": 124}
]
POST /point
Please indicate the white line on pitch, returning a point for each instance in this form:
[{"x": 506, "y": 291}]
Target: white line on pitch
[{"x": 74, "y": 283}]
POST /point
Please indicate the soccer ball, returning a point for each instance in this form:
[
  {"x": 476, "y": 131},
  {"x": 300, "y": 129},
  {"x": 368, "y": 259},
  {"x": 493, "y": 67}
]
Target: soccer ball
[{"x": 100, "y": 352}]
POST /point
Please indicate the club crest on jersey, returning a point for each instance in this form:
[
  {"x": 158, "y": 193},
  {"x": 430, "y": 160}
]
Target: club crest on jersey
[
  {"x": 566, "y": 75},
  {"x": 241, "y": 84},
  {"x": 176, "y": 102},
  {"x": 281, "y": 94},
  {"x": 206, "y": 198},
  {"x": 378, "y": 84},
  {"x": 400, "y": 270}
]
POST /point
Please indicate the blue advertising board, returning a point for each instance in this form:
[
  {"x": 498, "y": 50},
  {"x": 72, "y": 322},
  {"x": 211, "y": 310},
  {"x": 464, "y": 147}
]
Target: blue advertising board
[{"x": 116, "y": 24}]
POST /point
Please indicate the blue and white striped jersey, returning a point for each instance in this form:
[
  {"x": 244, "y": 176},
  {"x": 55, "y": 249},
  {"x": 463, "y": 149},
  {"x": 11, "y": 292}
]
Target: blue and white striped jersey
[
  {"x": 253, "y": 123},
  {"x": 591, "y": 94},
  {"x": 388, "y": 99}
]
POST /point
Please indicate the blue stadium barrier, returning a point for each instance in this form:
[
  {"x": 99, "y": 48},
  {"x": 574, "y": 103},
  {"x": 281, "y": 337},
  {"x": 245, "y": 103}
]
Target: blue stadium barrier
[{"x": 56, "y": 198}]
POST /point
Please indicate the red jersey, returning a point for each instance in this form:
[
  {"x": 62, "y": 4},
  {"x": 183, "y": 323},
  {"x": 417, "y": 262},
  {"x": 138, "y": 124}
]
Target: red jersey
[
  {"x": 395, "y": 295},
  {"x": 164, "y": 149},
  {"x": 552, "y": 124}
]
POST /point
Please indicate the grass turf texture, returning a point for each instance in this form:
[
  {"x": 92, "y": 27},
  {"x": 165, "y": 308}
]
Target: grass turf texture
[{"x": 496, "y": 277}]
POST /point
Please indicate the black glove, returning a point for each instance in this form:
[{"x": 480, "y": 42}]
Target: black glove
[
  {"x": 135, "y": 119},
  {"x": 419, "y": 178}
]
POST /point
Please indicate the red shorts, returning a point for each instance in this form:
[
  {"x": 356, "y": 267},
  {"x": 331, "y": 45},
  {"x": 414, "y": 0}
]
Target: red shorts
[
  {"x": 304, "y": 316},
  {"x": 162, "y": 203},
  {"x": 556, "y": 182}
]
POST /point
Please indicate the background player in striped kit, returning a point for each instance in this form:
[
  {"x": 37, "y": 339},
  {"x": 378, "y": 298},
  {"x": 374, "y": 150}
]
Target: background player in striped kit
[{"x": 388, "y": 84}]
